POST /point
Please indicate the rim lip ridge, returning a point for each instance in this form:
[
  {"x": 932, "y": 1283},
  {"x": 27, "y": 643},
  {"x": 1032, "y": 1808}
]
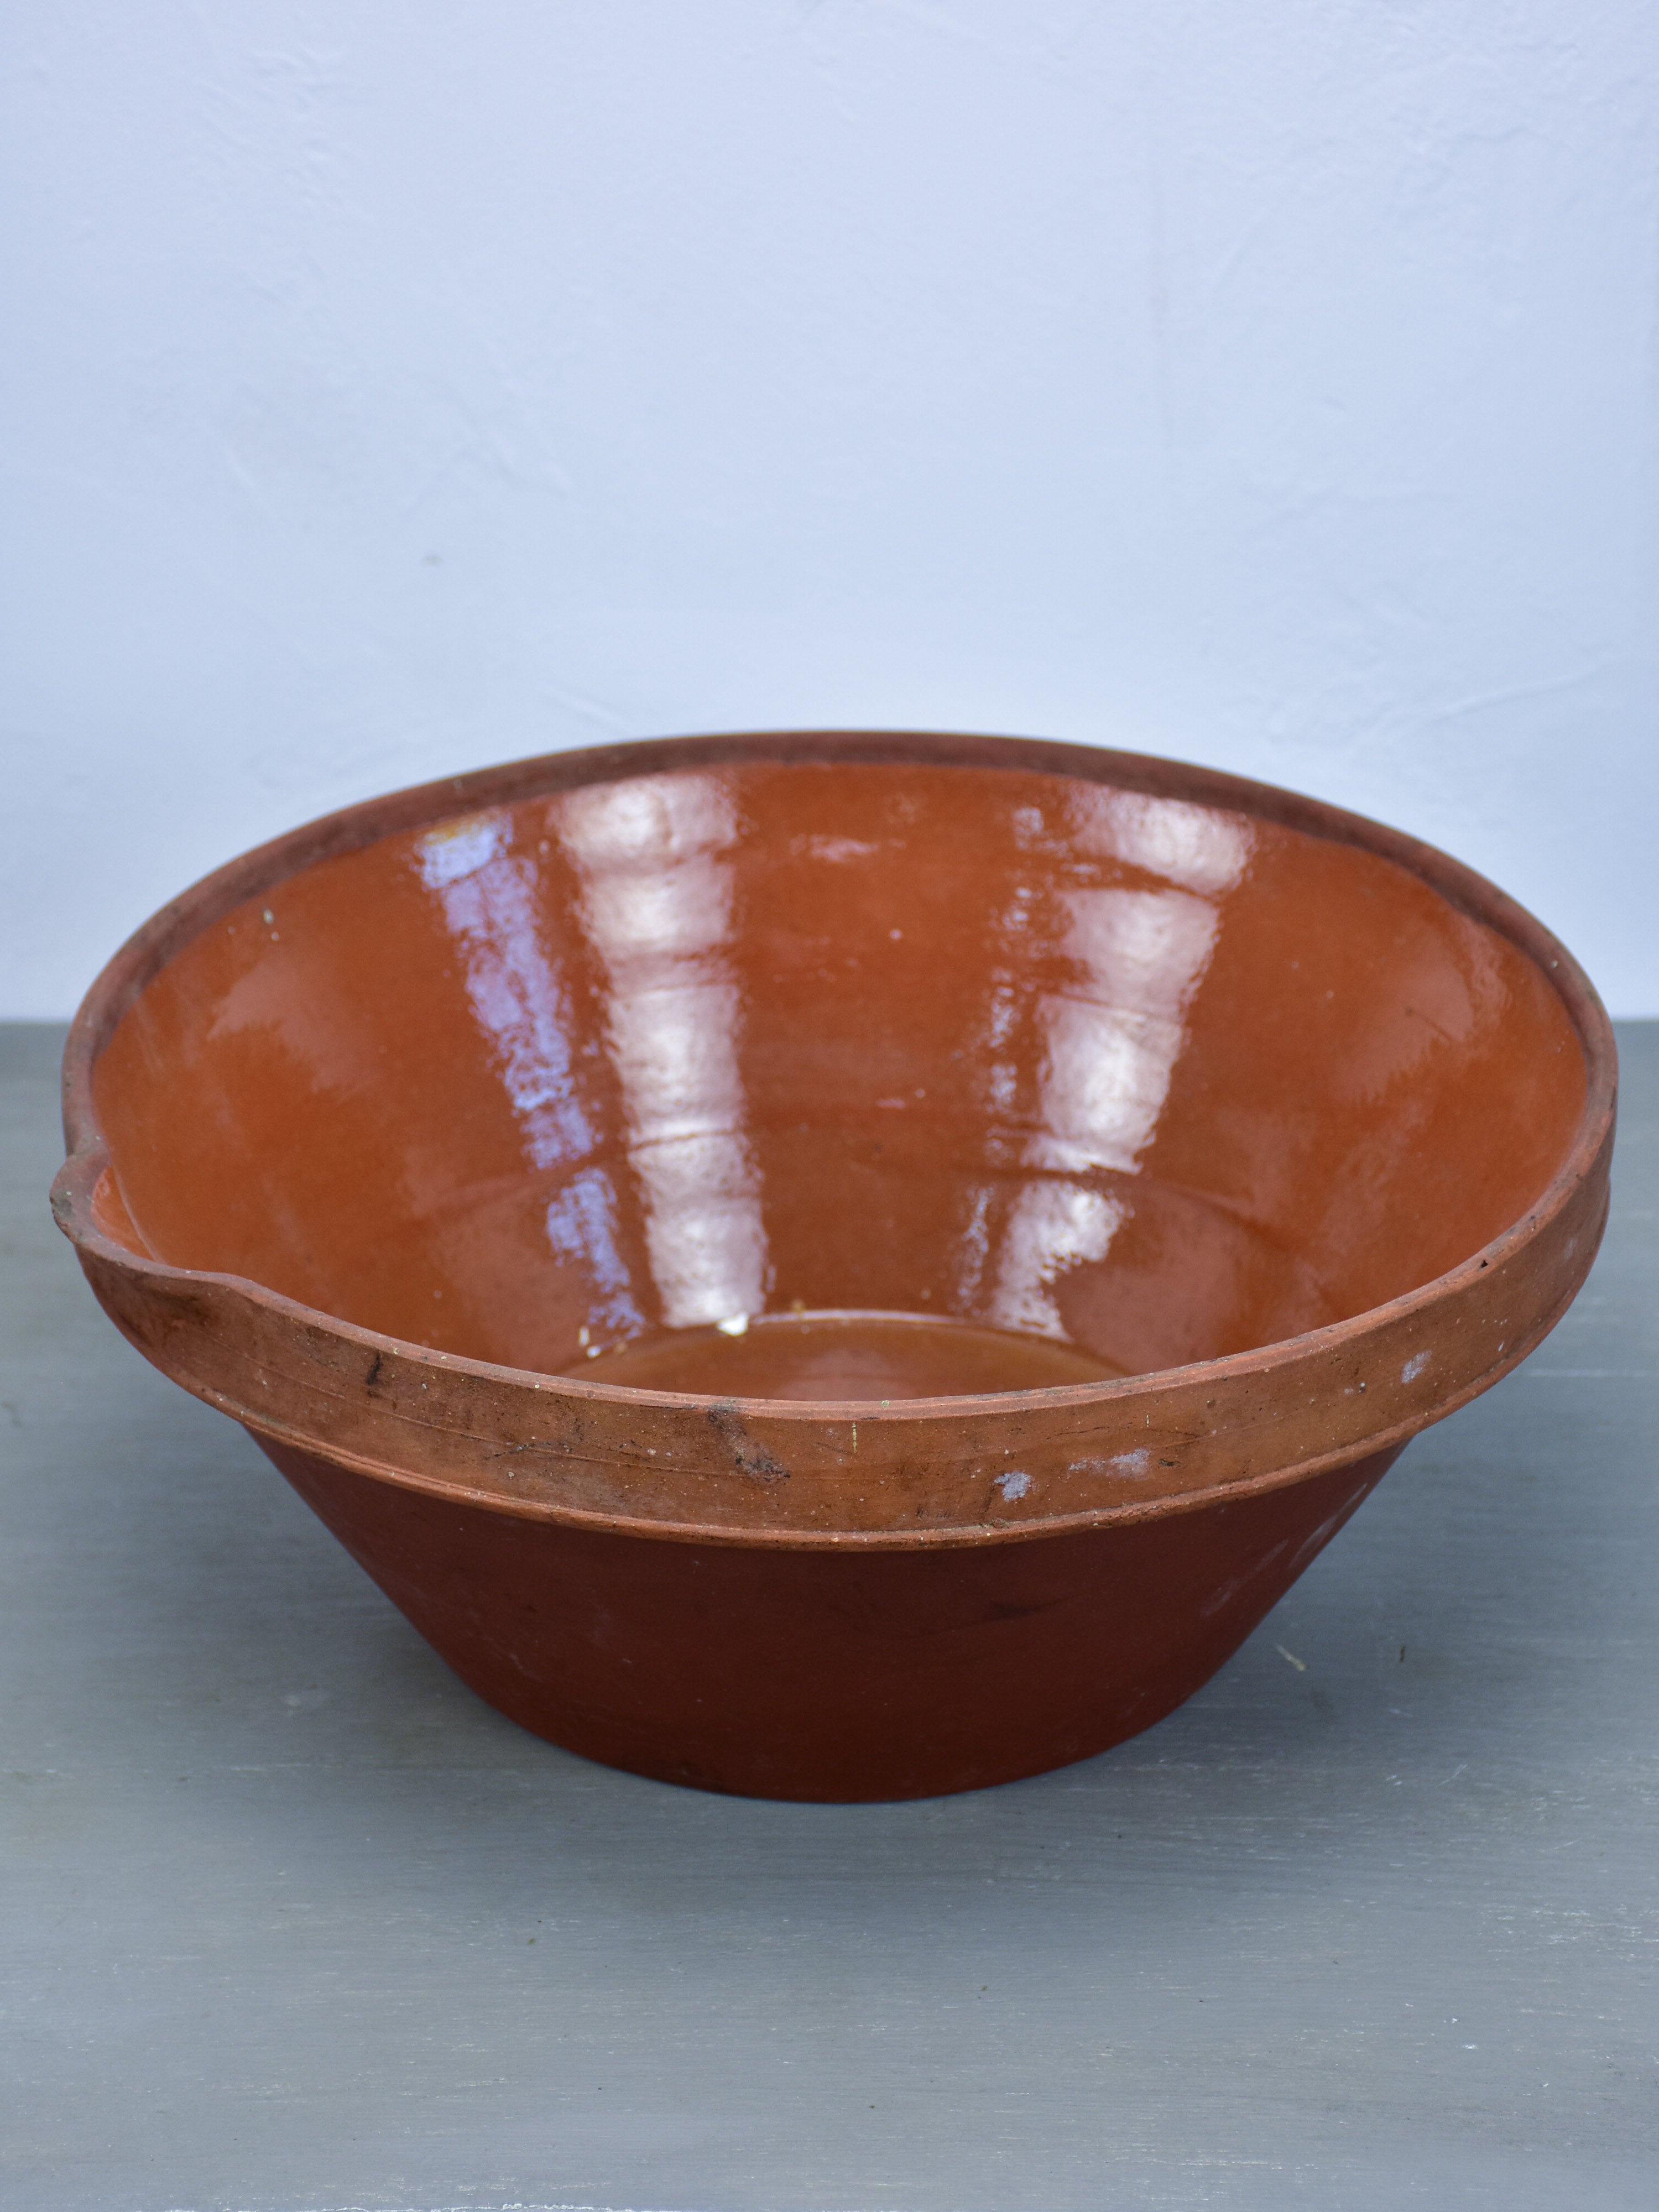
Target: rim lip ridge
[{"x": 351, "y": 829}]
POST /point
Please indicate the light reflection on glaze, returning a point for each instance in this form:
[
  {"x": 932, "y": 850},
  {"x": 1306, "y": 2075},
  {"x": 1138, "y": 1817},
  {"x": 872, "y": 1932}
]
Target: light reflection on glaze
[
  {"x": 1110, "y": 1043},
  {"x": 581, "y": 1226},
  {"x": 1189, "y": 846},
  {"x": 519, "y": 999},
  {"x": 489, "y": 901},
  {"x": 656, "y": 907},
  {"x": 1051, "y": 1227}
]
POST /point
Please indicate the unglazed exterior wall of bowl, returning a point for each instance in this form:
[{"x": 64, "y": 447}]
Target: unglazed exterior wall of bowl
[{"x": 833, "y": 1265}]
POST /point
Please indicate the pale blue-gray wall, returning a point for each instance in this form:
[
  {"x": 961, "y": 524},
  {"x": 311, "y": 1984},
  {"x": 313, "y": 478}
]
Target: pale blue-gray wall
[{"x": 398, "y": 387}]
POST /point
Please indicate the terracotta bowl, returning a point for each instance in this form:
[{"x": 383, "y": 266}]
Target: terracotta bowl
[{"x": 837, "y": 1266}]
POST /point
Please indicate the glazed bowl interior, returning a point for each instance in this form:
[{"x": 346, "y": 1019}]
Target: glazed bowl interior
[{"x": 840, "y": 1079}]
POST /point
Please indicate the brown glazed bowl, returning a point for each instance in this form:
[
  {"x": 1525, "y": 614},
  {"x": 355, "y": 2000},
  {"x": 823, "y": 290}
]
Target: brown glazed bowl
[{"x": 837, "y": 1266}]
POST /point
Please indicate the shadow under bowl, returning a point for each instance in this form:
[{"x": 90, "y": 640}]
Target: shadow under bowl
[{"x": 837, "y": 1264}]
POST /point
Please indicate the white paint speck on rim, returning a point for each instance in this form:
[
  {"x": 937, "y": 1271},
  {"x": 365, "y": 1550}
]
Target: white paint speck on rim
[
  {"x": 1013, "y": 1484},
  {"x": 1124, "y": 1466},
  {"x": 1414, "y": 1367}
]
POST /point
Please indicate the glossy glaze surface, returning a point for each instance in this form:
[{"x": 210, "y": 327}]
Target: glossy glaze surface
[
  {"x": 1122, "y": 1072},
  {"x": 815, "y": 1357},
  {"x": 686, "y": 1214}
]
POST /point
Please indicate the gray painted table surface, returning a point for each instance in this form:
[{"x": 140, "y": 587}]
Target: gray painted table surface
[{"x": 291, "y": 1920}]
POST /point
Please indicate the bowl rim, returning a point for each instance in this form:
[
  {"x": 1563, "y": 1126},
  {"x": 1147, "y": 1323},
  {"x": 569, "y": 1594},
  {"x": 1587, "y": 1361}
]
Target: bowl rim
[{"x": 367, "y": 822}]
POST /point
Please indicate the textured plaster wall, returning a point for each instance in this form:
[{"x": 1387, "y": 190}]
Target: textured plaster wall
[{"x": 399, "y": 386}]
